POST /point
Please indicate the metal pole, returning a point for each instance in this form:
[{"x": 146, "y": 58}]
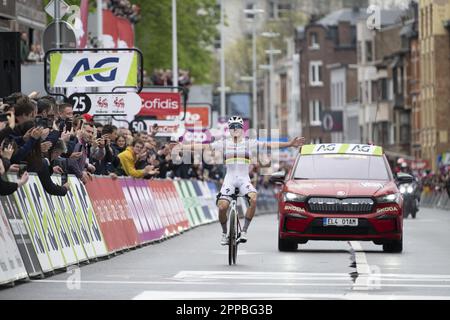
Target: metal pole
[
  {"x": 100, "y": 23},
  {"x": 255, "y": 96},
  {"x": 174, "y": 45},
  {"x": 57, "y": 20},
  {"x": 222, "y": 61},
  {"x": 271, "y": 90}
]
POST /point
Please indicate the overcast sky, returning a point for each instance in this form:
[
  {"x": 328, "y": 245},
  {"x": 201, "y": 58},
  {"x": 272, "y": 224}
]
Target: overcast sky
[{"x": 391, "y": 3}]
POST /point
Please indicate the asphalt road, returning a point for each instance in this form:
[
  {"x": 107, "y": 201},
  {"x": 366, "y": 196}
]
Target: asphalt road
[{"x": 195, "y": 266}]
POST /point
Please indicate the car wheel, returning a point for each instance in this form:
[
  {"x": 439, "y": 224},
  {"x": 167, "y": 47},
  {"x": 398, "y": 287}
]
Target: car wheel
[
  {"x": 286, "y": 245},
  {"x": 393, "y": 246}
]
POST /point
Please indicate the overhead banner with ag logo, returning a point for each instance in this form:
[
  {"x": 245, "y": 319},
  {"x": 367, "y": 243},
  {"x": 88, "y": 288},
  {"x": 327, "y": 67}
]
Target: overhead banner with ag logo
[{"x": 93, "y": 69}]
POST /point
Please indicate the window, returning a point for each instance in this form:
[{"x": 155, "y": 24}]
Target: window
[
  {"x": 341, "y": 166},
  {"x": 272, "y": 10},
  {"x": 249, "y": 6},
  {"x": 283, "y": 10},
  {"x": 384, "y": 89},
  {"x": 359, "y": 52},
  {"x": 315, "y": 109},
  {"x": 315, "y": 73},
  {"x": 283, "y": 88},
  {"x": 369, "y": 52},
  {"x": 313, "y": 41}
]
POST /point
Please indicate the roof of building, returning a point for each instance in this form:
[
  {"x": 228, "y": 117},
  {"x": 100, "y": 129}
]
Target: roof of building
[{"x": 388, "y": 17}]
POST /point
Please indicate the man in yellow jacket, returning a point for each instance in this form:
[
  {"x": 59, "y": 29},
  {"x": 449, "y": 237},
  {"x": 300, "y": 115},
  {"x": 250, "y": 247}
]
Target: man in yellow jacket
[{"x": 128, "y": 160}]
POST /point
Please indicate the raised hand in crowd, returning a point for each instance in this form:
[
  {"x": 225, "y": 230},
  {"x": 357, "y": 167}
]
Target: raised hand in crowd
[
  {"x": 45, "y": 146},
  {"x": 86, "y": 177},
  {"x": 58, "y": 170},
  {"x": 91, "y": 168},
  {"x": 150, "y": 170},
  {"x": 23, "y": 179},
  {"x": 7, "y": 152},
  {"x": 76, "y": 155},
  {"x": 14, "y": 168}
]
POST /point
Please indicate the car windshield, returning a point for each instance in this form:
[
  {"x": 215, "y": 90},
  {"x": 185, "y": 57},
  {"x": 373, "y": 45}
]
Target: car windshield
[{"x": 341, "y": 166}]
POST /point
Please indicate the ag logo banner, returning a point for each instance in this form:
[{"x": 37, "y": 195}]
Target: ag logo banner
[{"x": 93, "y": 69}]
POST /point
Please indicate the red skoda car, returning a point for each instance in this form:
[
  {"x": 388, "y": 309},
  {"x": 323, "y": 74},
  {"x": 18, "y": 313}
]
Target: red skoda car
[{"x": 340, "y": 192}]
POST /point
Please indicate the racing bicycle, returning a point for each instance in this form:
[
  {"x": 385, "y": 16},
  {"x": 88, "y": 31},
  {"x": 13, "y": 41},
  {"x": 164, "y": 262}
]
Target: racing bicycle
[{"x": 235, "y": 230}]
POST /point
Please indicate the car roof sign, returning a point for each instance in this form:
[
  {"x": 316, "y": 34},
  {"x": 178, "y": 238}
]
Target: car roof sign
[{"x": 341, "y": 148}]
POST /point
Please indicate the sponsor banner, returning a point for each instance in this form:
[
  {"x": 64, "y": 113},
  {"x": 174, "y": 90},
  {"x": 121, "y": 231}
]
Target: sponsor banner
[
  {"x": 332, "y": 121},
  {"x": 21, "y": 235},
  {"x": 12, "y": 267},
  {"x": 125, "y": 215},
  {"x": 70, "y": 202},
  {"x": 197, "y": 136},
  {"x": 198, "y": 117},
  {"x": 203, "y": 207},
  {"x": 134, "y": 208},
  {"x": 85, "y": 207},
  {"x": 163, "y": 208},
  {"x": 160, "y": 104},
  {"x": 45, "y": 218},
  {"x": 54, "y": 212},
  {"x": 140, "y": 209},
  {"x": 69, "y": 70},
  {"x": 150, "y": 213},
  {"x": 117, "y": 32},
  {"x": 213, "y": 189},
  {"x": 104, "y": 214},
  {"x": 183, "y": 190},
  {"x": 151, "y": 210},
  {"x": 116, "y": 104},
  {"x": 340, "y": 148},
  {"x": 33, "y": 226},
  {"x": 166, "y": 128},
  {"x": 69, "y": 223},
  {"x": 126, "y": 33},
  {"x": 177, "y": 209}
]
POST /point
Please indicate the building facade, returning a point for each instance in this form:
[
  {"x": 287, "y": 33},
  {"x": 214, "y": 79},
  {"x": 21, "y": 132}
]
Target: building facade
[
  {"x": 327, "y": 46},
  {"x": 434, "y": 41}
]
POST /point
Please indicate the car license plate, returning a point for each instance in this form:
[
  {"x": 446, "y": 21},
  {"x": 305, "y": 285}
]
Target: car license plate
[{"x": 340, "y": 222}]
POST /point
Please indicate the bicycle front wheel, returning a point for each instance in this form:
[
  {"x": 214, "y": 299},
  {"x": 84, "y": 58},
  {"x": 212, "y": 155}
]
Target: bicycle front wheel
[{"x": 232, "y": 244}]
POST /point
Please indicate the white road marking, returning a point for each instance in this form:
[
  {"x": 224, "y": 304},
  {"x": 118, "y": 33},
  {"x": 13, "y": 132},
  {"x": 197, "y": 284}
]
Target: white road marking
[
  {"x": 240, "y": 252},
  {"x": 213, "y": 295},
  {"x": 366, "y": 278}
]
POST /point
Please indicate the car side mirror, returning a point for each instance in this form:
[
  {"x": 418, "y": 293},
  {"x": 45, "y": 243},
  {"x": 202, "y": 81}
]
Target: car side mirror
[
  {"x": 278, "y": 177},
  {"x": 404, "y": 178}
]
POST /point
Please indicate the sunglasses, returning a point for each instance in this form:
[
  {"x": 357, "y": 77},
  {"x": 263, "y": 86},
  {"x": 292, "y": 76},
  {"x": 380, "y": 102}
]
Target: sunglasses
[{"x": 235, "y": 126}]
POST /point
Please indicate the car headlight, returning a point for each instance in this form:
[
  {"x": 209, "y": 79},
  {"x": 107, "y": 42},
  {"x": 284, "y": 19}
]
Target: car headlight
[
  {"x": 293, "y": 197},
  {"x": 410, "y": 189},
  {"x": 390, "y": 198}
]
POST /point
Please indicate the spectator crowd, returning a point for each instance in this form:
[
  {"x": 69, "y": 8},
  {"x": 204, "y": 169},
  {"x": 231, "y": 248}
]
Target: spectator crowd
[
  {"x": 43, "y": 136},
  {"x": 124, "y": 9}
]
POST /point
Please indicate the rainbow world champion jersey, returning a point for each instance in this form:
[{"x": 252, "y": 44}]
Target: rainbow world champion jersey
[{"x": 237, "y": 156}]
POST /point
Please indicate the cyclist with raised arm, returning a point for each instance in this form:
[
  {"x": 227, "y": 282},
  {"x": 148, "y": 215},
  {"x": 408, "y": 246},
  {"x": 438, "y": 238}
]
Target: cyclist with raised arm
[{"x": 237, "y": 151}]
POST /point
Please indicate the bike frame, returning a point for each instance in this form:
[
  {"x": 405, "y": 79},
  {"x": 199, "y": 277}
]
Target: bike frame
[{"x": 234, "y": 231}]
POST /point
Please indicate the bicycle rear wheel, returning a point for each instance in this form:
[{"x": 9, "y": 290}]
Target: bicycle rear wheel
[{"x": 232, "y": 244}]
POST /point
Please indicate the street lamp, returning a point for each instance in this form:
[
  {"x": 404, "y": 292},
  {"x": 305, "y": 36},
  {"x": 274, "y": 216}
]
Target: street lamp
[
  {"x": 222, "y": 60},
  {"x": 271, "y": 52},
  {"x": 254, "y": 12},
  {"x": 174, "y": 44}
]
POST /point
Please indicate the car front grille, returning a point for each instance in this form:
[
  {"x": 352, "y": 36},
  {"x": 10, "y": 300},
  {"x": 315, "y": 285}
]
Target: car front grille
[{"x": 334, "y": 205}]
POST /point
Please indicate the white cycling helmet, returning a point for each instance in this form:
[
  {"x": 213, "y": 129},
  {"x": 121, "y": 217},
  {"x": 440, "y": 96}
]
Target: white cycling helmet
[{"x": 235, "y": 122}]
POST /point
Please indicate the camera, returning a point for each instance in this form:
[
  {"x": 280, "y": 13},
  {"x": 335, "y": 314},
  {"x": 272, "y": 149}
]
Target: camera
[
  {"x": 4, "y": 117},
  {"x": 9, "y": 100},
  {"x": 64, "y": 178},
  {"x": 42, "y": 122},
  {"x": 22, "y": 169},
  {"x": 7, "y": 142}
]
